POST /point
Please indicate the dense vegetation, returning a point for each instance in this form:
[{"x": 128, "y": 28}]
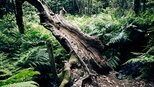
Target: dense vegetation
[{"x": 126, "y": 30}]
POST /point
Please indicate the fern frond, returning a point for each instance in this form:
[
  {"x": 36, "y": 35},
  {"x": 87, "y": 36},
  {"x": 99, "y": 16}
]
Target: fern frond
[
  {"x": 24, "y": 57},
  {"x": 23, "y": 75},
  {"x": 143, "y": 59},
  {"x": 4, "y": 74},
  {"x": 113, "y": 62},
  {"x": 147, "y": 57},
  {"x": 23, "y": 84},
  {"x": 120, "y": 38}
]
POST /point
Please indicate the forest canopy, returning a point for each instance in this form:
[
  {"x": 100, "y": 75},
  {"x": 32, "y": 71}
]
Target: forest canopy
[{"x": 76, "y": 43}]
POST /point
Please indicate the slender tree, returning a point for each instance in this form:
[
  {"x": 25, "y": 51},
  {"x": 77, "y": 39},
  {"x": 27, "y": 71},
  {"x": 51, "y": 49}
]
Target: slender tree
[
  {"x": 144, "y": 4},
  {"x": 137, "y": 6}
]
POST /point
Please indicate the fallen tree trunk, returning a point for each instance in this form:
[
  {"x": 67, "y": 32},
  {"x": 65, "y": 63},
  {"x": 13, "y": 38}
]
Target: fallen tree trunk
[{"x": 87, "y": 49}]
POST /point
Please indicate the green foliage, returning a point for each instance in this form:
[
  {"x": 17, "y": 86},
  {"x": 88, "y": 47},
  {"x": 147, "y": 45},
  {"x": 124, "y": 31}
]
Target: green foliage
[
  {"x": 105, "y": 26},
  {"x": 9, "y": 38},
  {"x": 17, "y": 51},
  {"x": 6, "y": 65},
  {"x": 113, "y": 59},
  {"x": 115, "y": 27},
  {"x": 150, "y": 37},
  {"x": 24, "y": 57},
  {"x": 147, "y": 57},
  {"x": 115, "y": 32},
  {"x": 146, "y": 71},
  {"x": 77, "y": 7},
  {"x": 23, "y": 84},
  {"x": 4, "y": 74},
  {"x": 6, "y": 6},
  {"x": 110, "y": 30},
  {"x": 23, "y": 75}
]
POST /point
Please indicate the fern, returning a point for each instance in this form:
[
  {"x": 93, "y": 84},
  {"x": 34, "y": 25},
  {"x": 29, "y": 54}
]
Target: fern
[
  {"x": 113, "y": 62},
  {"x": 4, "y": 74},
  {"x": 121, "y": 38},
  {"x": 16, "y": 54},
  {"x": 6, "y": 64},
  {"x": 23, "y": 84},
  {"x": 23, "y": 75},
  {"x": 147, "y": 57},
  {"x": 34, "y": 57},
  {"x": 146, "y": 60},
  {"x": 24, "y": 57},
  {"x": 143, "y": 59},
  {"x": 112, "y": 58},
  {"x": 110, "y": 31}
]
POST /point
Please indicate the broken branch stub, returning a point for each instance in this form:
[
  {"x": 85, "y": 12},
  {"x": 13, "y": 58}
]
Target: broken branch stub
[{"x": 87, "y": 49}]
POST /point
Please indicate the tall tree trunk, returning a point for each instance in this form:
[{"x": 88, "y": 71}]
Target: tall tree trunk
[
  {"x": 75, "y": 6},
  {"x": 19, "y": 15},
  {"x": 144, "y": 5},
  {"x": 137, "y": 6}
]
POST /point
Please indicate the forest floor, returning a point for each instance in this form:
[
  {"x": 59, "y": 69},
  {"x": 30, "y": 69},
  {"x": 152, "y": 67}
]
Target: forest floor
[{"x": 111, "y": 80}]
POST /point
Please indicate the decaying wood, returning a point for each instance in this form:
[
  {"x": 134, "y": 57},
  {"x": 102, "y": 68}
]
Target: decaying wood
[
  {"x": 72, "y": 73},
  {"x": 66, "y": 74},
  {"x": 87, "y": 49}
]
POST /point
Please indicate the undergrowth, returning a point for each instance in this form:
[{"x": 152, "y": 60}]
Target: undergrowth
[
  {"x": 121, "y": 36},
  {"x": 20, "y": 52}
]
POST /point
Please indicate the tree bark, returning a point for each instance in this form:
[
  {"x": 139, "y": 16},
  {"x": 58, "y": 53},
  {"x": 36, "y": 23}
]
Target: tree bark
[{"x": 87, "y": 49}]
